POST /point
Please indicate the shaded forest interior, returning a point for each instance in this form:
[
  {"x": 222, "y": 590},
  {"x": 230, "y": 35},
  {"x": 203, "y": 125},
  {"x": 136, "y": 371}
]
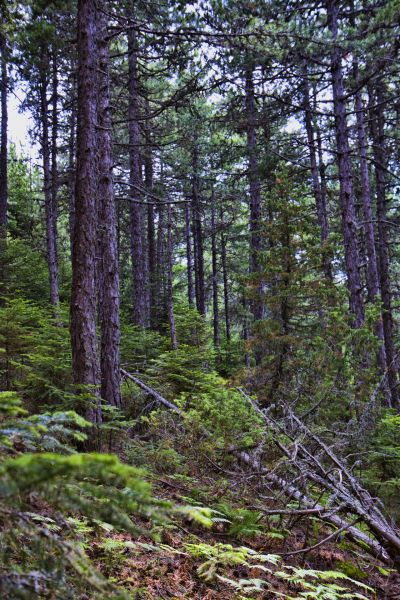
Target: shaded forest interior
[{"x": 199, "y": 300}]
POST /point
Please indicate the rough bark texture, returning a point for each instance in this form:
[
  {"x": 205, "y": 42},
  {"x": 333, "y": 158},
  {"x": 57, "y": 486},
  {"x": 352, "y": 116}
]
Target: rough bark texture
[
  {"x": 136, "y": 233},
  {"x": 379, "y": 155},
  {"x": 3, "y": 142},
  {"x": 170, "y": 295},
  {"x": 151, "y": 239},
  {"x": 49, "y": 172},
  {"x": 189, "y": 255},
  {"x": 85, "y": 359},
  {"x": 255, "y": 193},
  {"x": 108, "y": 247},
  {"x": 349, "y": 222},
  {"x": 198, "y": 236},
  {"x": 71, "y": 175},
  {"x": 320, "y": 198},
  {"x": 214, "y": 274},
  {"x": 225, "y": 279}
]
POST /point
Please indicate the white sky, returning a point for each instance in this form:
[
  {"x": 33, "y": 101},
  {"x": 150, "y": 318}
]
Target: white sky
[{"x": 19, "y": 124}]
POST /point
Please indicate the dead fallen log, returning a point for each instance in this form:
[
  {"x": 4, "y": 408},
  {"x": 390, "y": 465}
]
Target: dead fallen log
[{"x": 384, "y": 547}]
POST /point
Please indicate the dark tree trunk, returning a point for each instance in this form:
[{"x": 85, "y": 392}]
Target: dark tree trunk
[
  {"x": 198, "y": 236},
  {"x": 255, "y": 194},
  {"x": 373, "y": 283},
  {"x": 71, "y": 174},
  {"x": 189, "y": 256},
  {"x": 3, "y": 145},
  {"x": 225, "y": 279},
  {"x": 380, "y": 162},
  {"x": 170, "y": 295},
  {"x": 214, "y": 273},
  {"x": 137, "y": 251},
  {"x": 161, "y": 266},
  {"x": 108, "y": 247},
  {"x": 349, "y": 222},
  {"x": 54, "y": 149},
  {"x": 85, "y": 359},
  {"x": 151, "y": 239},
  {"x": 320, "y": 198},
  {"x": 49, "y": 200}
]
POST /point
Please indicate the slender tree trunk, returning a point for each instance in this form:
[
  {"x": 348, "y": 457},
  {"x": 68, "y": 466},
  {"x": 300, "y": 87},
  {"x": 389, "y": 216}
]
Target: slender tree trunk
[
  {"x": 137, "y": 252},
  {"x": 225, "y": 280},
  {"x": 380, "y": 161},
  {"x": 214, "y": 273},
  {"x": 189, "y": 256},
  {"x": 170, "y": 295},
  {"x": 3, "y": 163},
  {"x": 51, "y": 220},
  {"x": 349, "y": 221},
  {"x": 108, "y": 246},
  {"x": 85, "y": 358},
  {"x": 54, "y": 139},
  {"x": 161, "y": 266},
  {"x": 320, "y": 198},
  {"x": 71, "y": 175},
  {"x": 198, "y": 236},
  {"x": 255, "y": 195},
  {"x": 3, "y": 142},
  {"x": 151, "y": 239}
]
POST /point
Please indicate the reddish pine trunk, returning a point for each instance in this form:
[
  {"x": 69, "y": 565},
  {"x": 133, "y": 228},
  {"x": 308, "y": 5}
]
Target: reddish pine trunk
[
  {"x": 108, "y": 246},
  {"x": 349, "y": 222},
  {"x": 151, "y": 239},
  {"x": 85, "y": 360},
  {"x": 137, "y": 253},
  {"x": 380, "y": 162}
]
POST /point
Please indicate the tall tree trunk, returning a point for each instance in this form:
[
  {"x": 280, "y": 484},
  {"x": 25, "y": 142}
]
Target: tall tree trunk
[
  {"x": 225, "y": 279},
  {"x": 85, "y": 358},
  {"x": 349, "y": 222},
  {"x": 214, "y": 273},
  {"x": 108, "y": 246},
  {"x": 380, "y": 162},
  {"x": 170, "y": 295},
  {"x": 161, "y": 267},
  {"x": 151, "y": 239},
  {"x": 54, "y": 138},
  {"x": 3, "y": 160},
  {"x": 49, "y": 201},
  {"x": 198, "y": 235},
  {"x": 255, "y": 193},
  {"x": 320, "y": 198},
  {"x": 137, "y": 251},
  {"x": 71, "y": 174},
  {"x": 373, "y": 284},
  {"x": 189, "y": 256}
]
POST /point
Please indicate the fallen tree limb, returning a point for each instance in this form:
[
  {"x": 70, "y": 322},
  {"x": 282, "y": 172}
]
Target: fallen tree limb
[{"x": 384, "y": 547}]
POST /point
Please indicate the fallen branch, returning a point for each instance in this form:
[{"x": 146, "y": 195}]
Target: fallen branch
[{"x": 376, "y": 547}]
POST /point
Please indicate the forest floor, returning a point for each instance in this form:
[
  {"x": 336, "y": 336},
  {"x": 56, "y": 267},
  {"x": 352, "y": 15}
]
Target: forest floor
[{"x": 164, "y": 569}]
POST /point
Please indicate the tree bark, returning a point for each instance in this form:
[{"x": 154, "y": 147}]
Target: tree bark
[
  {"x": 189, "y": 255},
  {"x": 255, "y": 193},
  {"x": 137, "y": 252},
  {"x": 225, "y": 279},
  {"x": 320, "y": 198},
  {"x": 214, "y": 273},
  {"x": 151, "y": 239},
  {"x": 71, "y": 173},
  {"x": 170, "y": 295},
  {"x": 85, "y": 359},
  {"x": 108, "y": 245},
  {"x": 3, "y": 144},
  {"x": 198, "y": 235},
  {"x": 380, "y": 162},
  {"x": 349, "y": 222},
  {"x": 49, "y": 200}
]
